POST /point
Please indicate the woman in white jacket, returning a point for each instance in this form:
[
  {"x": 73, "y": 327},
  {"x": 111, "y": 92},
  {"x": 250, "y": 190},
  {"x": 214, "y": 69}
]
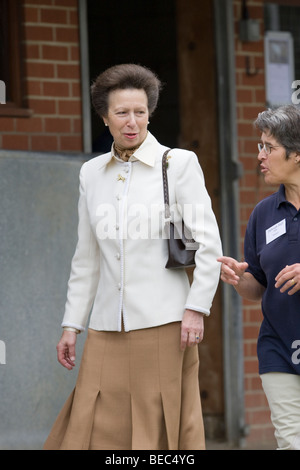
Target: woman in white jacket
[{"x": 137, "y": 386}]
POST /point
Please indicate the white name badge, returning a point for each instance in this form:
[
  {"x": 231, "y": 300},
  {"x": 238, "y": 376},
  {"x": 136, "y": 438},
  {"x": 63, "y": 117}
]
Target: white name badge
[{"x": 275, "y": 231}]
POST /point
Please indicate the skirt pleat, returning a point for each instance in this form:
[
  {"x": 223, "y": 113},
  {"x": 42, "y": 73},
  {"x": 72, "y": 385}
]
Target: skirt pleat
[{"x": 135, "y": 391}]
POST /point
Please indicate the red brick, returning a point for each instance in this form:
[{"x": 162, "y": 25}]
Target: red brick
[
  {"x": 254, "y": 80},
  {"x": 42, "y": 106},
  {"x": 256, "y": 400},
  {"x": 68, "y": 71},
  {"x": 32, "y": 51},
  {"x": 251, "y": 366},
  {"x": 32, "y": 124},
  {"x": 251, "y": 331},
  {"x": 248, "y": 181},
  {"x": 250, "y": 146},
  {"x": 244, "y": 95},
  {"x": 56, "y": 89},
  {"x": 66, "y": 3},
  {"x": 54, "y": 16},
  {"x": 246, "y": 129},
  {"x": 260, "y": 96},
  {"x": 30, "y": 14},
  {"x": 44, "y": 143},
  {"x": 15, "y": 142},
  {"x": 75, "y": 53},
  {"x": 7, "y": 124},
  {"x": 59, "y": 125},
  {"x": 261, "y": 437},
  {"x": 34, "y": 87},
  {"x": 247, "y": 197},
  {"x": 37, "y": 2},
  {"x": 253, "y": 383},
  {"x": 54, "y": 52},
  {"x": 77, "y": 125},
  {"x": 39, "y": 70},
  {"x": 70, "y": 107},
  {"x": 251, "y": 112},
  {"x": 73, "y": 16},
  {"x": 255, "y": 315},
  {"x": 71, "y": 143},
  {"x": 259, "y": 417},
  {"x": 76, "y": 89},
  {"x": 38, "y": 33},
  {"x": 69, "y": 35},
  {"x": 250, "y": 348}
]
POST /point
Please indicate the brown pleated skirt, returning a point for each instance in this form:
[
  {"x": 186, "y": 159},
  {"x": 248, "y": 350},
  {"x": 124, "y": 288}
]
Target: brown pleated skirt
[{"x": 135, "y": 391}]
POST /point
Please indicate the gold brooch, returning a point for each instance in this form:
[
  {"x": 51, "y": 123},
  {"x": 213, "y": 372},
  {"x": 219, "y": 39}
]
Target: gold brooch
[
  {"x": 167, "y": 160},
  {"x": 120, "y": 178}
]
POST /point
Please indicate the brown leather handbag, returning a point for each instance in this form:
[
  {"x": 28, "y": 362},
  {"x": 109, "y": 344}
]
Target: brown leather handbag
[{"x": 181, "y": 248}]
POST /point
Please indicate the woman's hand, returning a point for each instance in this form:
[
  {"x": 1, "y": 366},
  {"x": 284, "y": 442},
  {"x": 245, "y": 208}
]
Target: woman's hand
[
  {"x": 66, "y": 349},
  {"x": 289, "y": 278},
  {"x": 232, "y": 270},
  {"x": 192, "y": 328}
]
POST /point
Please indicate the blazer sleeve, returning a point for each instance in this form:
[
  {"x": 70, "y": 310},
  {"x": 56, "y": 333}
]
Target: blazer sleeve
[
  {"x": 199, "y": 218},
  {"x": 84, "y": 276}
]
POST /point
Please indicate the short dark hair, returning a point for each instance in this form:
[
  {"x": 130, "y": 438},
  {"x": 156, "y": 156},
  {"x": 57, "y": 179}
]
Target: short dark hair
[
  {"x": 283, "y": 123},
  {"x": 125, "y": 76}
]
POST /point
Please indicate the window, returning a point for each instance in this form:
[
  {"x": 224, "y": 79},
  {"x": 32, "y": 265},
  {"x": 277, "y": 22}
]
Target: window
[{"x": 11, "y": 58}]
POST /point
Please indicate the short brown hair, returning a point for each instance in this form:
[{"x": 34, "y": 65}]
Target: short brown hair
[{"x": 125, "y": 76}]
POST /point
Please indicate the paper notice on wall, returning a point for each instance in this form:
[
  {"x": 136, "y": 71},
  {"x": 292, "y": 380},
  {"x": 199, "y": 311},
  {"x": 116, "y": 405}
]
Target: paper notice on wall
[{"x": 279, "y": 67}]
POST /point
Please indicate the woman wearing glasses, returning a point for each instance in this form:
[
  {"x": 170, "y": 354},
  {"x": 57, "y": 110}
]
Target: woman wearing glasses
[{"x": 271, "y": 270}]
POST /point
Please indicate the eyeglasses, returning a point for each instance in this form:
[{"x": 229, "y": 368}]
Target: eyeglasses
[{"x": 267, "y": 148}]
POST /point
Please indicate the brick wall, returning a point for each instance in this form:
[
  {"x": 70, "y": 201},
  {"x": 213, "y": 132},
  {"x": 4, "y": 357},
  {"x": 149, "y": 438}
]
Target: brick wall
[
  {"x": 52, "y": 79},
  {"x": 250, "y": 92}
]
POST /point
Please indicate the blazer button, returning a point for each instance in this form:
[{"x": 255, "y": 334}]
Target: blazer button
[
  {"x": 119, "y": 286},
  {"x": 118, "y": 256}
]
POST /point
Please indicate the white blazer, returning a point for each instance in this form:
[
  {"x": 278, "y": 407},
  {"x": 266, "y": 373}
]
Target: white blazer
[{"x": 118, "y": 270}]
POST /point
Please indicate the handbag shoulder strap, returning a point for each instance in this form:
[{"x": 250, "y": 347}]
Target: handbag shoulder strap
[
  {"x": 166, "y": 194},
  {"x": 165, "y": 183}
]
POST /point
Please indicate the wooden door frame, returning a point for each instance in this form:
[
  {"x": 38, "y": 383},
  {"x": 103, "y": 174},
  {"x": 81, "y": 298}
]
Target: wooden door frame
[
  {"x": 199, "y": 133},
  {"x": 207, "y": 102}
]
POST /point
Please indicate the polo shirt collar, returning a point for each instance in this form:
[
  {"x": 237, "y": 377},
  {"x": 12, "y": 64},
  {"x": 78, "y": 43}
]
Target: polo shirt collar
[{"x": 281, "y": 195}]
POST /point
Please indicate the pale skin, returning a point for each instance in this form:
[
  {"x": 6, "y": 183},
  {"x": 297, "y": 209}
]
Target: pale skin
[
  {"x": 127, "y": 119},
  {"x": 276, "y": 170}
]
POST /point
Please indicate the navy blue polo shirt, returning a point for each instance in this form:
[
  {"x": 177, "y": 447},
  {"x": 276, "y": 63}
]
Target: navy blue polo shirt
[{"x": 272, "y": 241}]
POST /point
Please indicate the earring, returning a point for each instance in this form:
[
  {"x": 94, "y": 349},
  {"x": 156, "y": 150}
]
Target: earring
[{"x": 106, "y": 123}]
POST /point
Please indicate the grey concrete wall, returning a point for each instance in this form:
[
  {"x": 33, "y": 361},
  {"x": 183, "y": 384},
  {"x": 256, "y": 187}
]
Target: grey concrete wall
[{"x": 38, "y": 234}]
